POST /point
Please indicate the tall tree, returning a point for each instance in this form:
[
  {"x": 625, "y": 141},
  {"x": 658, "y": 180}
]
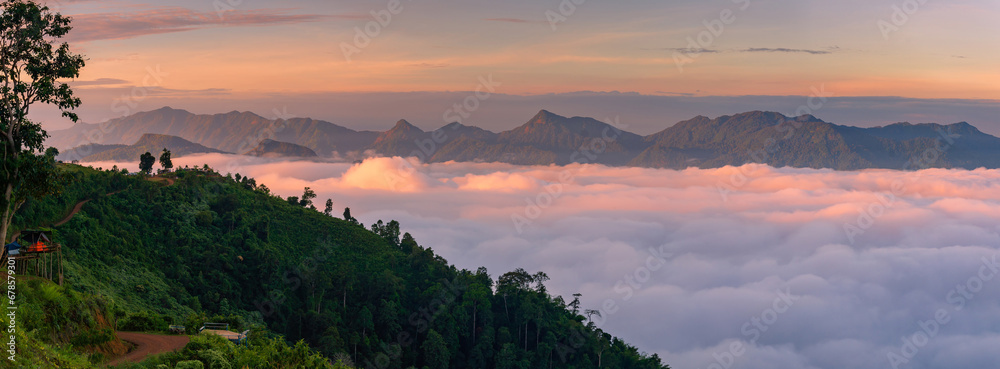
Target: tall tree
[
  {"x": 307, "y": 198},
  {"x": 165, "y": 160},
  {"x": 146, "y": 163},
  {"x": 31, "y": 65},
  {"x": 329, "y": 207}
]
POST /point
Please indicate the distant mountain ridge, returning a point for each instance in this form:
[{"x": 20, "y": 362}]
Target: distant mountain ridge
[
  {"x": 548, "y": 138},
  {"x": 150, "y": 142},
  {"x": 272, "y": 148}
]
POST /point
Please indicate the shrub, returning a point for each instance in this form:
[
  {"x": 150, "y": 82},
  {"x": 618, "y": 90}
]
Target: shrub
[
  {"x": 143, "y": 322},
  {"x": 190, "y": 364}
]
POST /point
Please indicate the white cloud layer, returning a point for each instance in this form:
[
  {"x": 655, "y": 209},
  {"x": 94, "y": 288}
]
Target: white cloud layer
[{"x": 746, "y": 267}]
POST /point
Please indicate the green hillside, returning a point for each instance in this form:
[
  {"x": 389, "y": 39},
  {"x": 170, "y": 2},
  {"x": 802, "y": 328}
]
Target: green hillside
[{"x": 213, "y": 248}]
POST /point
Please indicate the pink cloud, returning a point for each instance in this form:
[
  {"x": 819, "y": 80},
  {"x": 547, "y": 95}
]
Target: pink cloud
[{"x": 116, "y": 26}]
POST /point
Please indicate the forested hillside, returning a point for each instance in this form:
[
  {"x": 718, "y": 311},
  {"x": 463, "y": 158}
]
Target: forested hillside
[{"x": 214, "y": 246}]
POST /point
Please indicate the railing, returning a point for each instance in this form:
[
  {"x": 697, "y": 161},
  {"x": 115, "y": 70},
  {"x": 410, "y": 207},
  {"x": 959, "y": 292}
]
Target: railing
[{"x": 215, "y": 326}]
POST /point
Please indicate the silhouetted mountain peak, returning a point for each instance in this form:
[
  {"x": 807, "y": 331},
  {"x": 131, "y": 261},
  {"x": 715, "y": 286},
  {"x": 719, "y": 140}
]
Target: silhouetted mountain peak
[
  {"x": 808, "y": 118},
  {"x": 963, "y": 127},
  {"x": 545, "y": 116},
  {"x": 167, "y": 109},
  {"x": 164, "y": 112},
  {"x": 153, "y": 138},
  {"x": 403, "y": 126},
  {"x": 453, "y": 126}
]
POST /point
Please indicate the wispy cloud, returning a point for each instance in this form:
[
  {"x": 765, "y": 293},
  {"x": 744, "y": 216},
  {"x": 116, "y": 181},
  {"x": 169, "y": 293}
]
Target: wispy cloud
[
  {"x": 99, "y": 82},
  {"x": 682, "y": 50},
  {"x": 829, "y": 50},
  {"x": 170, "y": 92},
  {"x": 512, "y": 20},
  {"x": 430, "y": 65},
  {"x": 116, "y": 26},
  {"x": 683, "y": 94},
  {"x": 786, "y": 50}
]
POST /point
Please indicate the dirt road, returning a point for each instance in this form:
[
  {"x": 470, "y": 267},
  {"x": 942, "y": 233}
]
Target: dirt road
[
  {"x": 76, "y": 209},
  {"x": 149, "y": 344}
]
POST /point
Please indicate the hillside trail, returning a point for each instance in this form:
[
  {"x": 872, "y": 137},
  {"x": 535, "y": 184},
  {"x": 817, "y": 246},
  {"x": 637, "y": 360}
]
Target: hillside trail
[
  {"x": 77, "y": 208},
  {"x": 148, "y": 344},
  {"x": 79, "y": 205}
]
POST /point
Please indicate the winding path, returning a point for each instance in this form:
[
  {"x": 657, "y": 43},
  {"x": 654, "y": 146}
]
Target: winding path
[
  {"x": 148, "y": 344},
  {"x": 76, "y": 209},
  {"x": 79, "y": 206}
]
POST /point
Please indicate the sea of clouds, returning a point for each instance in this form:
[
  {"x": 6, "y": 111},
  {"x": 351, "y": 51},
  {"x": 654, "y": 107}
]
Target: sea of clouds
[{"x": 737, "y": 267}]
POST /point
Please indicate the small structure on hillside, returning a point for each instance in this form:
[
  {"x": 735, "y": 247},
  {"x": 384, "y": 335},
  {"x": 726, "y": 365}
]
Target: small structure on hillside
[
  {"x": 34, "y": 253},
  {"x": 222, "y": 329}
]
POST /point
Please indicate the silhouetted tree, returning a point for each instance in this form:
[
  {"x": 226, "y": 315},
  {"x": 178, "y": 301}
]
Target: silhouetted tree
[
  {"x": 165, "y": 160},
  {"x": 146, "y": 161},
  {"x": 307, "y": 198},
  {"x": 349, "y": 218}
]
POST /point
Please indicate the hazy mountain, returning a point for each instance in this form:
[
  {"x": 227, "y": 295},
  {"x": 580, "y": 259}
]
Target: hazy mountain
[
  {"x": 230, "y": 132},
  {"x": 807, "y": 141},
  {"x": 272, "y": 148},
  {"x": 548, "y": 138},
  {"x": 401, "y": 140},
  {"x": 152, "y": 143},
  {"x": 83, "y": 151}
]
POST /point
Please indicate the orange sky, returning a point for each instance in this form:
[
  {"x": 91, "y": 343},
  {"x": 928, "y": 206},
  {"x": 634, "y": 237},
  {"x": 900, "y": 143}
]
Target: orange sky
[{"x": 942, "y": 50}]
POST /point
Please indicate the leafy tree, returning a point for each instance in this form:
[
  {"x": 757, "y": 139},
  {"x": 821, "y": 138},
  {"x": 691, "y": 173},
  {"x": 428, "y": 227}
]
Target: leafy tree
[
  {"x": 366, "y": 320},
  {"x": 390, "y": 231},
  {"x": 329, "y": 207},
  {"x": 436, "y": 353},
  {"x": 146, "y": 161},
  {"x": 508, "y": 357},
  {"x": 350, "y": 219},
  {"x": 31, "y": 65},
  {"x": 307, "y": 198},
  {"x": 165, "y": 160}
]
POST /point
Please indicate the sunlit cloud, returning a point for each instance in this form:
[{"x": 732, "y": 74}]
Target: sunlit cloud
[
  {"x": 117, "y": 26},
  {"x": 724, "y": 259}
]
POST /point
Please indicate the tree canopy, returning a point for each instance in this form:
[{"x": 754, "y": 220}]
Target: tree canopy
[
  {"x": 165, "y": 160},
  {"x": 146, "y": 161},
  {"x": 32, "y": 66}
]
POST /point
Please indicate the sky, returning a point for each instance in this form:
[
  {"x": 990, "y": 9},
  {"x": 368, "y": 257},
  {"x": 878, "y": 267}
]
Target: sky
[
  {"x": 800, "y": 268},
  {"x": 214, "y": 56}
]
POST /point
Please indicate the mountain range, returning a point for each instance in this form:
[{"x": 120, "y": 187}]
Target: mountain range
[{"x": 547, "y": 138}]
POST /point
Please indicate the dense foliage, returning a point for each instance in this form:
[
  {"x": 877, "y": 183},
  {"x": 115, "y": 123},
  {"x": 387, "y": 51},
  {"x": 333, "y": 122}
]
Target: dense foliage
[
  {"x": 32, "y": 65},
  {"x": 216, "y": 246}
]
